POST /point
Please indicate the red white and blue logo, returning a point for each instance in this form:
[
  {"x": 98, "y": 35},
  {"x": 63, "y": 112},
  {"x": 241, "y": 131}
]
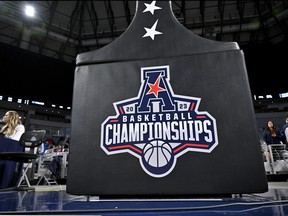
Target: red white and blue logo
[{"x": 158, "y": 126}]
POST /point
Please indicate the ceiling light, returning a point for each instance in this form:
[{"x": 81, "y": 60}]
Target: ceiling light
[{"x": 29, "y": 11}]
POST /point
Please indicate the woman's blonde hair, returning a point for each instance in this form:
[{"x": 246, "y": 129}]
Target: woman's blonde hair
[{"x": 10, "y": 126}]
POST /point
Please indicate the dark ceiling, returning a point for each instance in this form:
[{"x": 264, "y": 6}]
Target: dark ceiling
[{"x": 41, "y": 51}]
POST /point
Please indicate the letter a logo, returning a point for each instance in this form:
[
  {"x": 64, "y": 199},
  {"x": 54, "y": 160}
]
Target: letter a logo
[{"x": 158, "y": 126}]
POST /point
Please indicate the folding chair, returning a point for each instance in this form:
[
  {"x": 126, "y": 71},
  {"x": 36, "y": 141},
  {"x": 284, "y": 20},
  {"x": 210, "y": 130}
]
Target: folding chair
[
  {"x": 43, "y": 172},
  {"x": 30, "y": 140}
]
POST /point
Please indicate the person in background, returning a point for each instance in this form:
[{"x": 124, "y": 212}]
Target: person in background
[
  {"x": 285, "y": 128},
  {"x": 271, "y": 134},
  {"x": 13, "y": 128}
]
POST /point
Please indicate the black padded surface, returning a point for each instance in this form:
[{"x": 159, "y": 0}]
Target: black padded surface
[{"x": 205, "y": 76}]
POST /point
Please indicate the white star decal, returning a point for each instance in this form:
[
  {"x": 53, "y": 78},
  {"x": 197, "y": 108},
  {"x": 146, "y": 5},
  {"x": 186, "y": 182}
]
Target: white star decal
[
  {"x": 151, "y": 7},
  {"x": 152, "y": 31}
]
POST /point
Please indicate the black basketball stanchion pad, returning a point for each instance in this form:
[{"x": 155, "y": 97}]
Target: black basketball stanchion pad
[{"x": 163, "y": 112}]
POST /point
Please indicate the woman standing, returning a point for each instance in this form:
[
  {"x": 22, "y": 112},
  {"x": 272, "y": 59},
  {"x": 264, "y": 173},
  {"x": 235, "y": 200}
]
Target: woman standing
[
  {"x": 13, "y": 127},
  {"x": 271, "y": 134}
]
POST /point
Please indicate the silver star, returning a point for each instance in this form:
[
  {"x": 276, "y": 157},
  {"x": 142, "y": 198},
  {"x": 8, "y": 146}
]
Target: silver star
[
  {"x": 151, "y": 7},
  {"x": 152, "y": 31}
]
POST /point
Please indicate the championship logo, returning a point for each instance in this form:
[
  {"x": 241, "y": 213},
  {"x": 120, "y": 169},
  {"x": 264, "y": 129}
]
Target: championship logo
[{"x": 158, "y": 126}]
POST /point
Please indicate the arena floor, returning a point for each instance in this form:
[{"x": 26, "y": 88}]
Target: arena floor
[{"x": 47, "y": 200}]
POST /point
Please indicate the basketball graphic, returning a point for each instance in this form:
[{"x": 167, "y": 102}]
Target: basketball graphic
[
  {"x": 158, "y": 126},
  {"x": 157, "y": 153}
]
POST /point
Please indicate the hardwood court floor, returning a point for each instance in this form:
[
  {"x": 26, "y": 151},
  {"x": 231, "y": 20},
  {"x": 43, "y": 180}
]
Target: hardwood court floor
[{"x": 47, "y": 200}]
